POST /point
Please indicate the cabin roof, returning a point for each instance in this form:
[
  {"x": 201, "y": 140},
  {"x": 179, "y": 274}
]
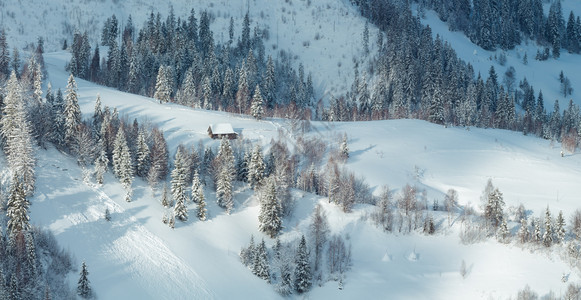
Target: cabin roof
[{"x": 222, "y": 128}]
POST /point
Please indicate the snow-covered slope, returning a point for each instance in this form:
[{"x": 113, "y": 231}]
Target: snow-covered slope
[
  {"x": 542, "y": 75},
  {"x": 324, "y": 35},
  {"x": 136, "y": 256}
]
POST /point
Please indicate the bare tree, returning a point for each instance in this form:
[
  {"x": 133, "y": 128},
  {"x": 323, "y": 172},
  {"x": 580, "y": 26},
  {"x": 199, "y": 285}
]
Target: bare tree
[
  {"x": 339, "y": 256},
  {"x": 318, "y": 232}
]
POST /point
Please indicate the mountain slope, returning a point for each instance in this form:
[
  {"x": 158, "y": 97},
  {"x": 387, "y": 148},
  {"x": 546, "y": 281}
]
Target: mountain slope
[{"x": 135, "y": 255}]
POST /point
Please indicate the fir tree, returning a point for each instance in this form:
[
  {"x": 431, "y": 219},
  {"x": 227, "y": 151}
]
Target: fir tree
[
  {"x": 163, "y": 85},
  {"x": 225, "y": 175},
  {"x": 256, "y": 168},
  {"x": 560, "y": 230},
  {"x": 4, "y": 55},
  {"x": 122, "y": 163},
  {"x": 256, "y": 108},
  {"x": 72, "y": 113},
  {"x": 101, "y": 166},
  {"x": 17, "y": 208},
  {"x": 16, "y": 134},
  {"x": 303, "y": 276},
  {"x": 197, "y": 188},
  {"x": 178, "y": 185},
  {"x": 548, "y": 234},
  {"x": 523, "y": 232},
  {"x": 261, "y": 268},
  {"x": 247, "y": 254},
  {"x": 344, "y": 148},
  {"x": 142, "y": 156},
  {"x": 269, "y": 218},
  {"x": 494, "y": 208},
  {"x": 84, "y": 285},
  {"x": 159, "y": 158}
]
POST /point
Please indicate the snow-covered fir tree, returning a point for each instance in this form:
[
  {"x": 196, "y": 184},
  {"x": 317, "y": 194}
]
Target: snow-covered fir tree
[
  {"x": 548, "y": 234},
  {"x": 142, "y": 156},
  {"x": 97, "y": 115},
  {"x": 261, "y": 265},
  {"x": 178, "y": 185},
  {"x": 503, "y": 232},
  {"x": 101, "y": 166},
  {"x": 122, "y": 163},
  {"x": 302, "y": 274},
  {"x": 72, "y": 112},
  {"x": 494, "y": 210},
  {"x": 523, "y": 232},
  {"x": 197, "y": 188},
  {"x": 16, "y": 136},
  {"x": 560, "y": 230},
  {"x": 202, "y": 211},
  {"x": 225, "y": 175},
  {"x": 84, "y": 289},
  {"x": 269, "y": 218},
  {"x": 256, "y": 168},
  {"x": 344, "y": 148},
  {"x": 247, "y": 254},
  {"x": 256, "y": 108},
  {"x": 537, "y": 235},
  {"x": 159, "y": 158},
  {"x": 17, "y": 208},
  {"x": 163, "y": 85}
]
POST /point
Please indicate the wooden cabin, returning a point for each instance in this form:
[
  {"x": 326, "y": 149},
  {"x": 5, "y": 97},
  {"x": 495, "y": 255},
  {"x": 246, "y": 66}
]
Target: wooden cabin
[{"x": 217, "y": 131}]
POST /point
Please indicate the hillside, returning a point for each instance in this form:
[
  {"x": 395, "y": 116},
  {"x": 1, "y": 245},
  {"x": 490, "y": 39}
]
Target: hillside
[
  {"x": 317, "y": 33},
  {"x": 135, "y": 250},
  {"x": 542, "y": 75},
  {"x": 136, "y": 256}
]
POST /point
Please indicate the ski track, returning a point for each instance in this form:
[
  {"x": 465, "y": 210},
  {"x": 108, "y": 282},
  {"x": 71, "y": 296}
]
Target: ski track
[{"x": 145, "y": 257}]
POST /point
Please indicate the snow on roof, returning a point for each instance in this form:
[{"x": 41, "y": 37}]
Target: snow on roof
[{"x": 222, "y": 128}]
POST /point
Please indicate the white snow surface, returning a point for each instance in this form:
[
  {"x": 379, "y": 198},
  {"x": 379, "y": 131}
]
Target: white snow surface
[{"x": 136, "y": 256}]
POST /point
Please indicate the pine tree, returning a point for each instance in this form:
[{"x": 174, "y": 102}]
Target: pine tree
[
  {"x": 16, "y": 134},
  {"x": 261, "y": 268},
  {"x": 178, "y": 186},
  {"x": 247, "y": 254},
  {"x": 256, "y": 108},
  {"x": 197, "y": 188},
  {"x": 256, "y": 168},
  {"x": 31, "y": 258},
  {"x": 225, "y": 175},
  {"x": 523, "y": 232},
  {"x": 243, "y": 90},
  {"x": 303, "y": 276},
  {"x": 163, "y": 85},
  {"x": 101, "y": 166},
  {"x": 536, "y": 224},
  {"x": 159, "y": 158},
  {"x": 344, "y": 148},
  {"x": 495, "y": 208},
  {"x": 17, "y": 208},
  {"x": 84, "y": 285},
  {"x": 560, "y": 230},
  {"x": 202, "y": 211},
  {"x": 122, "y": 163},
  {"x": 71, "y": 113},
  {"x": 548, "y": 234},
  {"x": 269, "y": 218},
  {"x": 504, "y": 233},
  {"x": 4, "y": 55},
  {"x": 142, "y": 156}
]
